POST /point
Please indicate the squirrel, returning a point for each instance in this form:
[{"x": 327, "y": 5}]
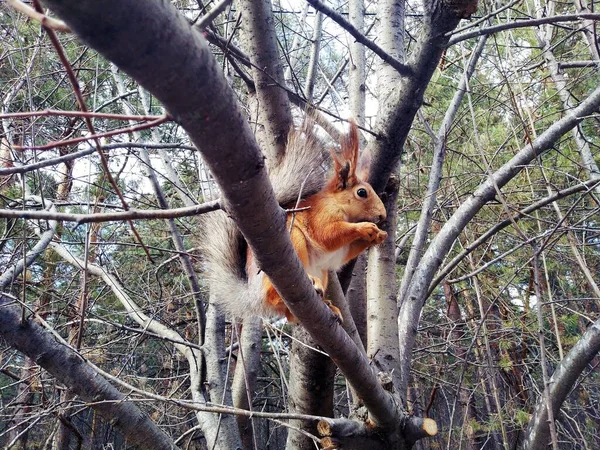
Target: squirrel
[{"x": 333, "y": 223}]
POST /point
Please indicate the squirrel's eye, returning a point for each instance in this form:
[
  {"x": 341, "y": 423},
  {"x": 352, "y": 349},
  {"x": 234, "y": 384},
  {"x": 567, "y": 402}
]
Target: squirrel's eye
[{"x": 362, "y": 192}]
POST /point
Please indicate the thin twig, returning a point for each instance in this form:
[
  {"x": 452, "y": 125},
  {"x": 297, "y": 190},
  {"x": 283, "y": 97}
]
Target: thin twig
[
  {"x": 160, "y": 120},
  {"x": 56, "y": 112},
  {"x": 46, "y": 21},
  {"x": 130, "y": 214},
  {"x": 212, "y": 14}
]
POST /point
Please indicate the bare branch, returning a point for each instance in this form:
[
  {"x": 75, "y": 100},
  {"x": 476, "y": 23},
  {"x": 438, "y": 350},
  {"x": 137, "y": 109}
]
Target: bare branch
[
  {"x": 522, "y": 24},
  {"x": 131, "y": 214},
  {"x": 560, "y": 384},
  {"x": 46, "y": 21},
  {"x": 402, "y": 69}
]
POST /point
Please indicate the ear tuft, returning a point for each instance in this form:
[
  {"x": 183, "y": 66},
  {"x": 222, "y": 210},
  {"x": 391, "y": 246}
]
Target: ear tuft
[{"x": 345, "y": 161}]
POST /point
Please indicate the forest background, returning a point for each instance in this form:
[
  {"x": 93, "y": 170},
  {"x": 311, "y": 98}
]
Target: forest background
[{"x": 475, "y": 325}]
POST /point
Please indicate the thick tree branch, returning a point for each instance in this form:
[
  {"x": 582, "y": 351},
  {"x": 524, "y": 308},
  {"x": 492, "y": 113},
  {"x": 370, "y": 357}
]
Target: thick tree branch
[
  {"x": 273, "y": 103},
  {"x": 561, "y": 383},
  {"x": 398, "y": 110}
]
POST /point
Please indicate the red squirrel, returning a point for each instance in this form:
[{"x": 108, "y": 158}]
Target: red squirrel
[
  {"x": 334, "y": 223},
  {"x": 338, "y": 224}
]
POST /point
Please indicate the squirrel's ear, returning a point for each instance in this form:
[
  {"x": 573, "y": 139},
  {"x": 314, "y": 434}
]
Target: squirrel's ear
[
  {"x": 350, "y": 146},
  {"x": 364, "y": 166},
  {"x": 341, "y": 171},
  {"x": 345, "y": 161}
]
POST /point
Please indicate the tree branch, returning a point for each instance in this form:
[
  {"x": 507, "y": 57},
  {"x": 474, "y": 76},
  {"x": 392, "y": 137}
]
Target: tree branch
[
  {"x": 402, "y": 69},
  {"x": 131, "y": 214},
  {"x": 560, "y": 385},
  {"x": 70, "y": 369},
  {"x": 522, "y": 24}
]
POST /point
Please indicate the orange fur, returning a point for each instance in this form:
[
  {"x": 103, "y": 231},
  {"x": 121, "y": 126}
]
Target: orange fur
[{"x": 339, "y": 224}]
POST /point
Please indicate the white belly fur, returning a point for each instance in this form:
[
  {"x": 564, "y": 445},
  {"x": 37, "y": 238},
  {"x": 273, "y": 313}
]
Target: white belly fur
[{"x": 322, "y": 261}]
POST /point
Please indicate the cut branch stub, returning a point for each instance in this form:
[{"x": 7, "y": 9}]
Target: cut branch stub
[
  {"x": 350, "y": 434},
  {"x": 353, "y": 434},
  {"x": 418, "y": 428}
]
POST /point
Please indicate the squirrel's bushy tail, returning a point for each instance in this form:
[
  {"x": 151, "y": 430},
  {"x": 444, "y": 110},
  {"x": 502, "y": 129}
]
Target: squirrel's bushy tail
[
  {"x": 224, "y": 251},
  {"x": 301, "y": 172}
]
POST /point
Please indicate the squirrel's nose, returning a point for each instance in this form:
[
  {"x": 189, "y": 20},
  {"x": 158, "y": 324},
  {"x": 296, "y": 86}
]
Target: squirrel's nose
[{"x": 381, "y": 218}]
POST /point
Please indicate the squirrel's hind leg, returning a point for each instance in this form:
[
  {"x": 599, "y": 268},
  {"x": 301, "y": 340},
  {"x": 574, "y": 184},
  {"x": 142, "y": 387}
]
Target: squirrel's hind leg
[{"x": 324, "y": 282}]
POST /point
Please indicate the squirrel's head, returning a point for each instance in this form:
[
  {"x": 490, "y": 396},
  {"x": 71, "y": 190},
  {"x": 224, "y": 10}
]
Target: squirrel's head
[{"x": 349, "y": 183}]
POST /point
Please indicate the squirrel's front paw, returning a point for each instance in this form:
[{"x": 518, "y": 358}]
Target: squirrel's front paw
[
  {"x": 371, "y": 232},
  {"x": 336, "y": 311},
  {"x": 381, "y": 236}
]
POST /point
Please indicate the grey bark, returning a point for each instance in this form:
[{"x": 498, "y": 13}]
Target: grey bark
[
  {"x": 382, "y": 309},
  {"x": 223, "y": 432},
  {"x": 246, "y": 373},
  {"x": 562, "y": 381},
  {"x": 357, "y": 74},
  {"x": 313, "y": 63},
  {"x": 402, "y": 100},
  {"x": 310, "y": 388},
  {"x": 357, "y": 297},
  {"x": 273, "y": 103}
]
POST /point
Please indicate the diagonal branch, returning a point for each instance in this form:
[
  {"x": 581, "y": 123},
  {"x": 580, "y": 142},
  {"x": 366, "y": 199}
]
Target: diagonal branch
[
  {"x": 45, "y": 239},
  {"x": 521, "y": 24},
  {"x": 441, "y": 245},
  {"x": 402, "y": 69},
  {"x": 560, "y": 384}
]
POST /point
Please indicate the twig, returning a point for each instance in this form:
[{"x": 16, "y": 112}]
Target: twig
[
  {"x": 55, "y": 112},
  {"x": 46, "y": 21},
  {"x": 520, "y": 24},
  {"x": 160, "y": 120},
  {"x": 130, "y": 214},
  {"x": 212, "y": 14}
]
